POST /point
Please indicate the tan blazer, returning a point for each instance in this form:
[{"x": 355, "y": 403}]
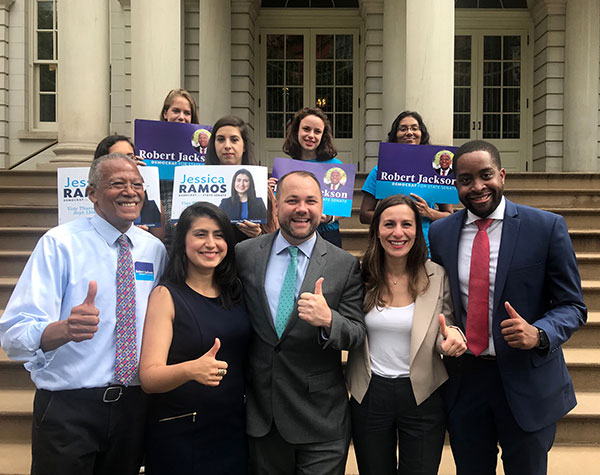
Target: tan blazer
[{"x": 427, "y": 372}]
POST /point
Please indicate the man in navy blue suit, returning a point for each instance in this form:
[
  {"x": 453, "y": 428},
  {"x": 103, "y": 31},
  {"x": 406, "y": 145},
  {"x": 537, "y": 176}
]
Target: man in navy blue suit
[{"x": 512, "y": 386}]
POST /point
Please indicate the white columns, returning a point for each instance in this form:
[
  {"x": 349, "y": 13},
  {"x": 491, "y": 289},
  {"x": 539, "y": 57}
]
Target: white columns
[
  {"x": 156, "y": 59},
  {"x": 582, "y": 44},
  {"x": 418, "y": 63},
  {"x": 214, "y": 75},
  {"x": 83, "y": 80}
]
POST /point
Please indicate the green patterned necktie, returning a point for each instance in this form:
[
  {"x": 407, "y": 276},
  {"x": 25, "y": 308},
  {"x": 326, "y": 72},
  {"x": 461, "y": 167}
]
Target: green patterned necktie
[{"x": 288, "y": 291}]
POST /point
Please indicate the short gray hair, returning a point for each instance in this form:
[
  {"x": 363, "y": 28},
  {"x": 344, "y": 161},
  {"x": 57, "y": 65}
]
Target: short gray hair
[{"x": 95, "y": 174}]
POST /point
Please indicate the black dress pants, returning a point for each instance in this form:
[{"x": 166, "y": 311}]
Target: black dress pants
[
  {"x": 388, "y": 419},
  {"x": 88, "y": 431}
]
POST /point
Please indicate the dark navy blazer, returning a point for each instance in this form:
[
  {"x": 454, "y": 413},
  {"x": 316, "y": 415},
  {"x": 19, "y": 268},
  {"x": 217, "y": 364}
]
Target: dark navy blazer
[{"x": 537, "y": 273}]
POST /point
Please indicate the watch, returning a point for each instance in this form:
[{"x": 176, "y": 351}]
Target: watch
[{"x": 544, "y": 343}]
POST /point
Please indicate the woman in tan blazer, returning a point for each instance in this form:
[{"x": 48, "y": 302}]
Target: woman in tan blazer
[{"x": 394, "y": 377}]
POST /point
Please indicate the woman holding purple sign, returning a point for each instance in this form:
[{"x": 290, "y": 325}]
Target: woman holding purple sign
[
  {"x": 309, "y": 138},
  {"x": 407, "y": 128},
  {"x": 230, "y": 144},
  {"x": 178, "y": 106}
]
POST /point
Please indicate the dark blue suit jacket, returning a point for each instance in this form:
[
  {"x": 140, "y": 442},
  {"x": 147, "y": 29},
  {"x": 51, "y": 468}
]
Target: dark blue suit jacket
[{"x": 537, "y": 273}]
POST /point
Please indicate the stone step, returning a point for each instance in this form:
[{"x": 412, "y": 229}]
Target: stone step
[
  {"x": 542, "y": 180},
  {"x": 13, "y": 374},
  {"x": 587, "y": 336},
  {"x": 586, "y": 240},
  {"x": 20, "y": 238},
  {"x": 591, "y": 294},
  {"x": 15, "y": 458},
  {"x": 582, "y": 424},
  {"x": 16, "y": 408},
  {"x": 584, "y": 368},
  {"x": 13, "y": 262},
  {"x": 577, "y": 218},
  {"x": 27, "y": 178},
  {"x": 7, "y": 285},
  {"x": 28, "y": 195},
  {"x": 562, "y": 460},
  {"x": 28, "y": 216},
  {"x": 589, "y": 265},
  {"x": 583, "y": 198}
]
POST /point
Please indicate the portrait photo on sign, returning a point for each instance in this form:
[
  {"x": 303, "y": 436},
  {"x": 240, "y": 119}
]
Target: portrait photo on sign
[
  {"x": 200, "y": 140},
  {"x": 335, "y": 178},
  {"x": 241, "y": 191},
  {"x": 150, "y": 214},
  {"x": 442, "y": 162}
]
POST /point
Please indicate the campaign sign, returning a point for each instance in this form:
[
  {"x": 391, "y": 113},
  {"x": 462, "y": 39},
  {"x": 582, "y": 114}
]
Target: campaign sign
[
  {"x": 425, "y": 170},
  {"x": 73, "y": 202},
  {"x": 239, "y": 190},
  {"x": 336, "y": 180},
  {"x": 167, "y": 145},
  {"x": 150, "y": 214}
]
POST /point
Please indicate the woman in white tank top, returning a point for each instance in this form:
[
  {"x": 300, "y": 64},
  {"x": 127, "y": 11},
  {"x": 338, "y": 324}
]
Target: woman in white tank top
[{"x": 394, "y": 378}]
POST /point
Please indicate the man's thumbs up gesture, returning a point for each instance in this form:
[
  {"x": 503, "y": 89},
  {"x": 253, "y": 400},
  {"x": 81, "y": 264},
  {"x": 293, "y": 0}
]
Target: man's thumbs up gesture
[
  {"x": 81, "y": 325},
  {"x": 313, "y": 308},
  {"x": 517, "y": 332}
]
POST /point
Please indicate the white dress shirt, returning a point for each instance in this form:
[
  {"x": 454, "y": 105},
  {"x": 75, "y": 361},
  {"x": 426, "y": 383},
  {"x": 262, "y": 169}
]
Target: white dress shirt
[
  {"x": 279, "y": 260},
  {"x": 465, "y": 245},
  {"x": 56, "y": 279}
]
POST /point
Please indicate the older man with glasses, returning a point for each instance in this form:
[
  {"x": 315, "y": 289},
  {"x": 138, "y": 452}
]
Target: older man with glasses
[{"x": 76, "y": 318}]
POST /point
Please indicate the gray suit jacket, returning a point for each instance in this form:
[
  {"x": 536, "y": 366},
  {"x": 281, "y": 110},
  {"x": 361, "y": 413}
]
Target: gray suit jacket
[
  {"x": 427, "y": 371},
  {"x": 296, "y": 381}
]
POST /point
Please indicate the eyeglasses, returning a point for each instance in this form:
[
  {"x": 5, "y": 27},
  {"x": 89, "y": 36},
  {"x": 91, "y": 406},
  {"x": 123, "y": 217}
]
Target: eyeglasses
[
  {"x": 412, "y": 128},
  {"x": 122, "y": 185}
]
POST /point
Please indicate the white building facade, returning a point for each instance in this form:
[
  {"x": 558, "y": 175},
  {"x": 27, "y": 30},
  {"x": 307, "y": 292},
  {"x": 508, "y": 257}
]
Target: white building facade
[{"x": 524, "y": 75}]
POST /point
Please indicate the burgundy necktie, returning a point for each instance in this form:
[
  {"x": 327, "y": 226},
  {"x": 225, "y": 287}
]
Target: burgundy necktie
[
  {"x": 126, "y": 342},
  {"x": 479, "y": 290}
]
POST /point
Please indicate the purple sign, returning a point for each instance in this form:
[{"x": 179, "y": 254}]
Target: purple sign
[
  {"x": 425, "y": 170},
  {"x": 169, "y": 144},
  {"x": 336, "y": 179}
]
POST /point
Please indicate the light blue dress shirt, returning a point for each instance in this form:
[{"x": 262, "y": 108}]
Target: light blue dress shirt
[
  {"x": 56, "y": 279},
  {"x": 279, "y": 259}
]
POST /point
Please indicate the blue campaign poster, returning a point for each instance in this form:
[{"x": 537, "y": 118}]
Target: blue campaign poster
[
  {"x": 167, "y": 145},
  {"x": 336, "y": 179},
  {"x": 425, "y": 170}
]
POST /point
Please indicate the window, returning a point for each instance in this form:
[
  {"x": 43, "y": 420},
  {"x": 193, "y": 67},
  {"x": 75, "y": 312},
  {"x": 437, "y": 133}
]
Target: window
[{"x": 45, "y": 63}]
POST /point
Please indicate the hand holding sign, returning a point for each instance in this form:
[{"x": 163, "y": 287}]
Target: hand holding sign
[{"x": 313, "y": 308}]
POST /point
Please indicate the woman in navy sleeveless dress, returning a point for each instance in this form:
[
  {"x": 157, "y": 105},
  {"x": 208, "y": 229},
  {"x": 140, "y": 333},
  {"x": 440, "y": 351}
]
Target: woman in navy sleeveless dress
[{"x": 193, "y": 353}]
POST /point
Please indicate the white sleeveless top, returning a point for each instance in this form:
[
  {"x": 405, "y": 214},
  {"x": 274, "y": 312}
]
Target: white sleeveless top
[{"x": 388, "y": 330}]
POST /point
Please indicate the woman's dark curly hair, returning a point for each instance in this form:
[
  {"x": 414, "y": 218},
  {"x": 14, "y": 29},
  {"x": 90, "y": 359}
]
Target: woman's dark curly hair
[
  {"x": 325, "y": 151},
  {"x": 225, "y": 276}
]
